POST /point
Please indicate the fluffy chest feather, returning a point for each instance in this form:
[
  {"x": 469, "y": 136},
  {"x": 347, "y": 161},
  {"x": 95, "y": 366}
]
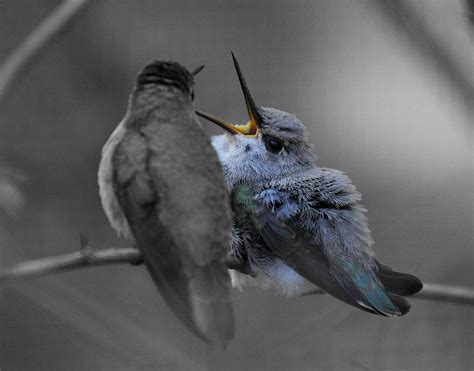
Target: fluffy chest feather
[{"x": 319, "y": 205}]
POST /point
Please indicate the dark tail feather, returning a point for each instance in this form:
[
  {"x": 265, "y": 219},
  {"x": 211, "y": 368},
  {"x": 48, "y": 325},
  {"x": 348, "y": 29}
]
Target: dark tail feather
[
  {"x": 398, "y": 283},
  {"x": 400, "y": 302}
]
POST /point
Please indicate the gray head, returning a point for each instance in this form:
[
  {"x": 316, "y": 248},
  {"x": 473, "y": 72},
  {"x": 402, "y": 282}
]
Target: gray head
[
  {"x": 272, "y": 144},
  {"x": 162, "y": 80}
]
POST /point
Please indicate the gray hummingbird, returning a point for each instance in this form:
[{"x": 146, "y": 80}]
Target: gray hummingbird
[
  {"x": 297, "y": 225},
  {"x": 162, "y": 187}
]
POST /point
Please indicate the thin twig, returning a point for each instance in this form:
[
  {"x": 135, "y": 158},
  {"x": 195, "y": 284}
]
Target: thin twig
[
  {"x": 37, "y": 39},
  {"x": 455, "y": 294},
  {"x": 87, "y": 257}
]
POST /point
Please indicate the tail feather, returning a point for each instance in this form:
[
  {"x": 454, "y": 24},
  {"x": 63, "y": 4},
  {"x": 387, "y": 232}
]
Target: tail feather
[
  {"x": 211, "y": 303},
  {"x": 401, "y": 284},
  {"x": 400, "y": 302},
  {"x": 363, "y": 285},
  {"x": 387, "y": 300}
]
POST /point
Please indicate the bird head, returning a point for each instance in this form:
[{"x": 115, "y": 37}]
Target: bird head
[
  {"x": 161, "y": 81},
  {"x": 166, "y": 73},
  {"x": 271, "y": 144}
]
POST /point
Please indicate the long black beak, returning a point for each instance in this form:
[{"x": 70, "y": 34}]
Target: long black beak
[
  {"x": 255, "y": 119},
  {"x": 251, "y": 128}
]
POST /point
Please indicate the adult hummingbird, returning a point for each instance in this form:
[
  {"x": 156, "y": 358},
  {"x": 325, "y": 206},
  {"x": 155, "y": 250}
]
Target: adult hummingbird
[
  {"x": 162, "y": 187},
  {"x": 297, "y": 225}
]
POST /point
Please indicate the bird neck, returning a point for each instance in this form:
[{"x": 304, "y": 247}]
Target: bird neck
[
  {"x": 260, "y": 180},
  {"x": 153, "y": 97}
]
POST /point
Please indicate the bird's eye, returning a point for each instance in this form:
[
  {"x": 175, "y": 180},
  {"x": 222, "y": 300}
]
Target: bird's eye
[{"x": 273, "y": 144}]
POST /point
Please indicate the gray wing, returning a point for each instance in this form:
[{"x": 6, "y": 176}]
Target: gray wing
[
  {"x": 326, "y": 240},
  {"x": 305, "y": 258},
  {"x": 187, "y": 269},
  {"x": 340, "y": 275}
]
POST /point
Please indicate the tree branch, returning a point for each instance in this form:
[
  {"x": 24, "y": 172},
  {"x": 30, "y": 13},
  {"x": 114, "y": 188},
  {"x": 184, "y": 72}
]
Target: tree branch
[
  {"x": 38, "y": 38},
  {"x": 87, "y": 257},
  {"x": 440, "y": 292}
]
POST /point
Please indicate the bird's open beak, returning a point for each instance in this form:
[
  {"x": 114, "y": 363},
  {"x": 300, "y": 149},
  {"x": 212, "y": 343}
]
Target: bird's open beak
[
  {"x": 251, "y": 128},
  {"x": 228, "y": 126}
]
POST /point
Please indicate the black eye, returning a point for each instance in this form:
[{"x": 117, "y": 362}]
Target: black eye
[{"x": 273, "y": 144}]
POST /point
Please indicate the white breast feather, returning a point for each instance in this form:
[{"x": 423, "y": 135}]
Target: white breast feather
[
  {"x": 110, "y": 203},
  {"x": 278, "y": 276}
]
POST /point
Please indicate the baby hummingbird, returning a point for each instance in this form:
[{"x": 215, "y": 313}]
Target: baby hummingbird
[
  {"x": 297, "y": 225},
  {"x": 162, "y": 187}
]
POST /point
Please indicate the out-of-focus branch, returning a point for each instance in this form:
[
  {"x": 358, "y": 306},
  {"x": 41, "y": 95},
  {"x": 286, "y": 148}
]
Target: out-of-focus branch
[
  {"x": 11, "y": 197},
  {"x": 435, "y": 46},
  {"x": 87, "y": 257},
  {"x": 48, "y": 28}
]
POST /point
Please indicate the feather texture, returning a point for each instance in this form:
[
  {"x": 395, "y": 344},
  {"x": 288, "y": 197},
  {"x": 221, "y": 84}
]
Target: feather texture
[
  {"x": 297, "y": 224},
  {"x": 162, "y": 186}
]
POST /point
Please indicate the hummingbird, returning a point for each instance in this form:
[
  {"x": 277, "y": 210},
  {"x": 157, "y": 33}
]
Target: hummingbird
[
  {"x": 163, "y": 188},
  {"x": 297, "y": 225}
]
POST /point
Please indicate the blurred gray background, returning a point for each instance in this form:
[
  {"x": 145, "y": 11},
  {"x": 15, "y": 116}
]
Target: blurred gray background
[{"x": 386, "y": 91}]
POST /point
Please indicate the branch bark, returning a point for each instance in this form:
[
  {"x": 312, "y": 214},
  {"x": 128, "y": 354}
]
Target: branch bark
[
  {"x": 87, "y": 257},
  {"x": 37, "y": 39}
]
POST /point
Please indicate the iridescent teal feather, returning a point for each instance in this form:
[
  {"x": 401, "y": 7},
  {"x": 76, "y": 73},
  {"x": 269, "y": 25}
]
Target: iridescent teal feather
[{"x": 363, "y": 282}]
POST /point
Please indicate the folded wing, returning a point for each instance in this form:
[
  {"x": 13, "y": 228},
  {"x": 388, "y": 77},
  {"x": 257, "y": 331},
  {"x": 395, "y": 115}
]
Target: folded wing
[
  {"x": 325, "y": 262},
  {"x": 193, "y": 280}
]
